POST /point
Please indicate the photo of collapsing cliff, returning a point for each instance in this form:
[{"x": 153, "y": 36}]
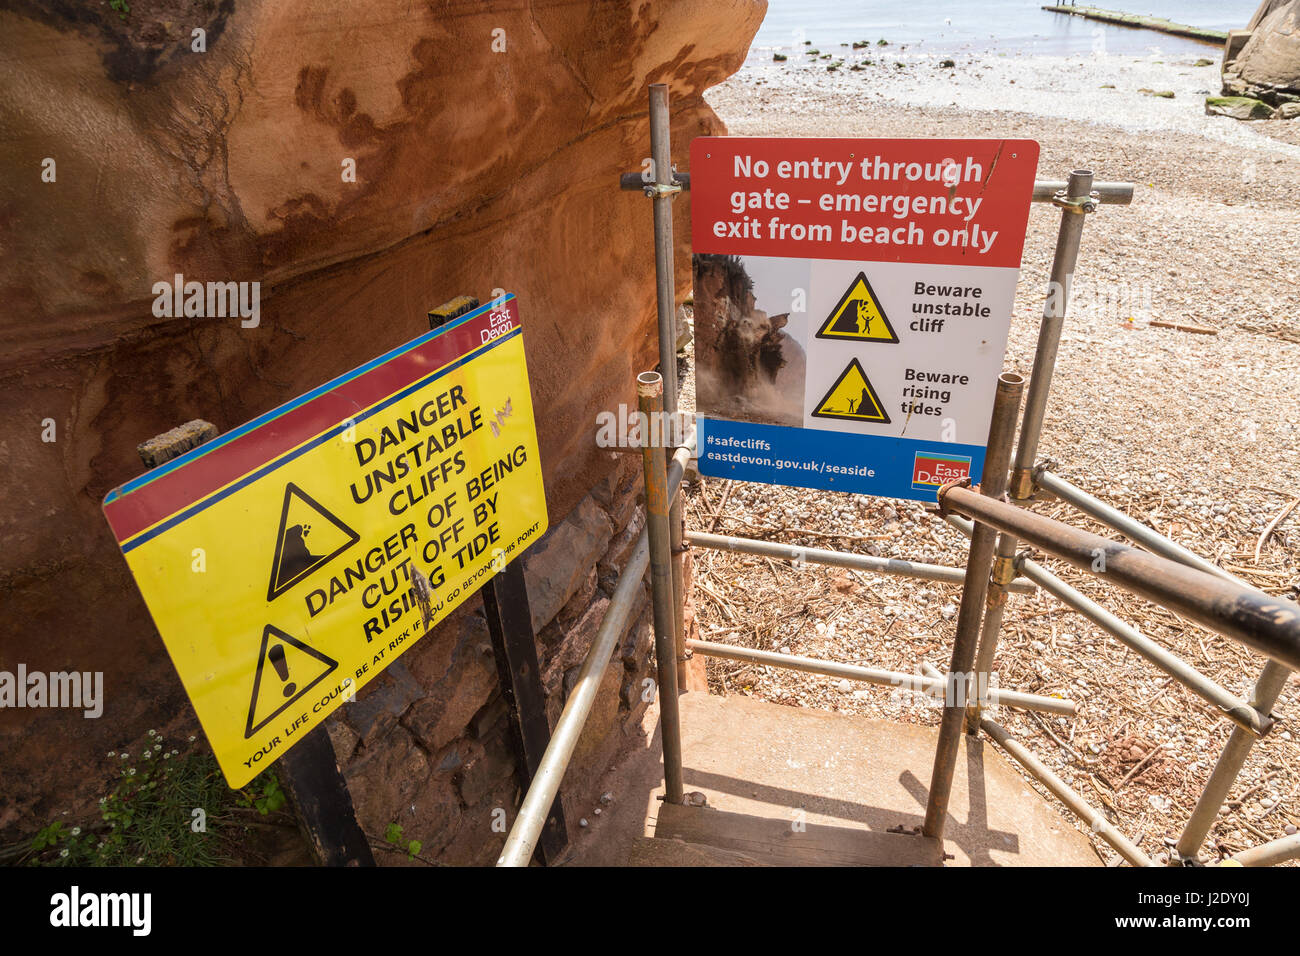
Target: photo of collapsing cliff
[{"x": 749, "y": 364}]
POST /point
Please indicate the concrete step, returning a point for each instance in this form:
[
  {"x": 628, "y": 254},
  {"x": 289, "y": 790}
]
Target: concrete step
[
  {"x": 855, "y": 787},
  {"x": 648, "y": 851},
  {"x": 776, "y": 842},
  {"x": 850, "y": 781}
]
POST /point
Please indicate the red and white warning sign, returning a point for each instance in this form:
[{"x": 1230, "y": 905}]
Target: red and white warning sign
[{"x": 858, "y": 286}]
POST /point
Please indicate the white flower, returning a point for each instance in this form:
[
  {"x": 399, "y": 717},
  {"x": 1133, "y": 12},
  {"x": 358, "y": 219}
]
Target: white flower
[
  {"x": 124, "y": 755},
  {"x": 192, "y": 738},
  {"x": 153, "y": 733},
  {"x": 76, "y": 831},
  {"x": 139, "y": 859},
  {"x": 63, "y": 853},
  {"x": 157, "y": 746},
  {"x": 131, "y": 772},
  {"x": 167, "y": 756},
  {"x": 112, "y": 753}
]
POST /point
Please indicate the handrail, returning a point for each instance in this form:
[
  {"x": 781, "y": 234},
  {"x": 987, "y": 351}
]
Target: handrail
[
  {"x": 1131, "y": 528},
  {"x": 839, "y": 559},
  {"x": 1268, "y": 624},
  {"x": 1233, "y": 707},
  {"x": 528, "y": 825},
  {"x": 935, "y": 687}
]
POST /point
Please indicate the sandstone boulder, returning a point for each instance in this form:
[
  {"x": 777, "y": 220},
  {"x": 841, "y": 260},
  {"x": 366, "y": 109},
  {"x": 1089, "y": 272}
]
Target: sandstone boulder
[{"x": 1269, "y": 60}]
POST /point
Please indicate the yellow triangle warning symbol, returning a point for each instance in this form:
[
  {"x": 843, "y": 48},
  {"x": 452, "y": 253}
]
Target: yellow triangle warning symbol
[
  {"x": 852, "y": 398},
  {"x": 309, "y": 537},
  {"x": 295, "y": 669},
  {"x": 858, "y": 316}
]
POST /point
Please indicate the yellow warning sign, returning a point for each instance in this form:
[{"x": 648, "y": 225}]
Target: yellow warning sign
[
  {"x": 852, "y": 398},
  {"x": 858, "y": 316},
  {"x": 291, "y": 560}
]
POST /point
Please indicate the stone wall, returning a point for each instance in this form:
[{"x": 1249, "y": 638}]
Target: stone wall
[
  {"x": 427, "y": 745},
  {"x": 477, "y": 168}
]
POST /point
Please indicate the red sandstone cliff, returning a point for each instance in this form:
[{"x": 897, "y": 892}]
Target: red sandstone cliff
[{"x": 476, "y": 168}]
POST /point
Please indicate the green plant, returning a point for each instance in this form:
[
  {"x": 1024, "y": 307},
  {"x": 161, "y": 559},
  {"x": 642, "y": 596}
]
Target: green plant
[
  {"x": 779, "y": 57},
  {"x": 268, "y": 800},
  {"x": 394, "y": 836},
  {"x": 165, "y": 809},
  {"x": 121, "y": 6},
  {"x": 882, "y": 42}
]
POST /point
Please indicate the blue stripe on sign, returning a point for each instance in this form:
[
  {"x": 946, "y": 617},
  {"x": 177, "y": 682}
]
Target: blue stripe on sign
[
  {"x": 265, "y": 470},
  {"x": 813, "y": 458},
  {"x": 289, "y": 406}
]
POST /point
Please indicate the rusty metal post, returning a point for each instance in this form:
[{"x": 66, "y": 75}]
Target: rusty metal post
[
  {"x": 650, "y": 395},
  {"x": 1267, "y": 623},
  {"x": 1003, "y": 574},
  {"x": 1074, "y": 204},
  {"x": 997, "y": 459},
  {"x": 664, "y": 190}
]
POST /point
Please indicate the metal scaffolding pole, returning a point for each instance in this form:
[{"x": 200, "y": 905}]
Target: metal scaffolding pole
[
  {"x": 1264, "y": 622},
  {"x": 536, "y": 806},
  {"x": 1075, "y": 199},
  {"x": 1266, "y": 691},
  {"x": 838, "y": 559},
  {"x": 1133, "y": 530},
  {"x": 1272, "y": 853},
  {"x": 1074, "y": 205},
  {"x": 663, "y": 192},
  {"x": 1231, "y": 760},
  {"x": 997, "y": 459},
  {"x": 650, "y": 393},
  {"x": 934, "y": 685},
  {"x": 1065, "y": 793}
]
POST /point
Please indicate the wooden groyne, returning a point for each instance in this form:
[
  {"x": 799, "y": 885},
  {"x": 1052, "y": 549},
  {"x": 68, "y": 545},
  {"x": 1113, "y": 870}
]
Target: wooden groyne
[{"x": 1142, "y": 22}]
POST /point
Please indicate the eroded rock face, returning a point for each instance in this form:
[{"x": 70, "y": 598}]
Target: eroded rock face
[
  {"x": 486, "y": 139},
  {"x": 747, "y": 366}
]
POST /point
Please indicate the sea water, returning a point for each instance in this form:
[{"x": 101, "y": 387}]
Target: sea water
[{"x": 981, "y": 26}]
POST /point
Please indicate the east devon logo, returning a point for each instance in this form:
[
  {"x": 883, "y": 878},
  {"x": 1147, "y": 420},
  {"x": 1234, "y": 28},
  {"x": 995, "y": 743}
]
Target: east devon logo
[{"x": 931, "y": 469}]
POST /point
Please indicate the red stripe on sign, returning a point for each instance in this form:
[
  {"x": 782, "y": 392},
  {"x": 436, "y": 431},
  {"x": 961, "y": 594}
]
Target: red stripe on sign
[
  {"x": 162, "y": 497},
  {"x": 932, "y": 201}
]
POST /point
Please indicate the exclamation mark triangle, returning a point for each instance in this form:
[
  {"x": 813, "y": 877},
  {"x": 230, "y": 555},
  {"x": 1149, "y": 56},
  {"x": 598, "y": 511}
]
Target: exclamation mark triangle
[{"x": 295, "y": 669}]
